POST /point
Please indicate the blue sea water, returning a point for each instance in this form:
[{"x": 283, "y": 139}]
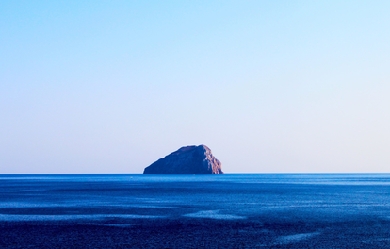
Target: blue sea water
[{"x": 312, "y": 210}]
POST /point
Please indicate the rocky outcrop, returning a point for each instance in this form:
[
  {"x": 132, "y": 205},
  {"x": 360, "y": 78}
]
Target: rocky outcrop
[{"x": 187, "y": 160}]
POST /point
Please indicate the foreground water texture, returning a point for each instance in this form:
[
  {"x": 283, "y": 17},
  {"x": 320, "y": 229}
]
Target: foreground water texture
[{"x": 195, "y": 211}]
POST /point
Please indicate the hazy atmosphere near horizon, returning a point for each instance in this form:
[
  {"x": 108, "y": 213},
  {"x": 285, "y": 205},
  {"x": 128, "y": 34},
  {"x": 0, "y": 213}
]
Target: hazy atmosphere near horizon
[{"x": 269, "y": 86}]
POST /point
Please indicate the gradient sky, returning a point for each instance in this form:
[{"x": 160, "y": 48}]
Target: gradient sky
[{"x": 269, "y": 86}]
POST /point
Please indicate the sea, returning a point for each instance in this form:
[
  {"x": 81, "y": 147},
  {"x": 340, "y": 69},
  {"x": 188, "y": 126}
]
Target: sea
[{"x": 195, "y": 211}]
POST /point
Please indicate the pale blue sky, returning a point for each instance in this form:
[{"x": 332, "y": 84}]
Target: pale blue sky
[{"x": 269, "y": 86}]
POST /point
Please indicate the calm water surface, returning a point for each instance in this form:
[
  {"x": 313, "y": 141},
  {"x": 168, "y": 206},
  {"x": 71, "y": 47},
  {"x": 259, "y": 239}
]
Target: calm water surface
[{"x": 286, "y": 209}]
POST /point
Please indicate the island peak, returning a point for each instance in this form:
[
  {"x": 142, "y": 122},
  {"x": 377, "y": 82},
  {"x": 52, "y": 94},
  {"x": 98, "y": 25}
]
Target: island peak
[{"x": 190, "y": 159}]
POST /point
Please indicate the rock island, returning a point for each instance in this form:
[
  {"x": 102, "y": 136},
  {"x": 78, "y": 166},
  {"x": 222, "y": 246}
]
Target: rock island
[{"x": 187, "y": 160}]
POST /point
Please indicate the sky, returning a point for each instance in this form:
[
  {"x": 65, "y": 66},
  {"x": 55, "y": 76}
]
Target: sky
[{"x": 269, "y": 86}]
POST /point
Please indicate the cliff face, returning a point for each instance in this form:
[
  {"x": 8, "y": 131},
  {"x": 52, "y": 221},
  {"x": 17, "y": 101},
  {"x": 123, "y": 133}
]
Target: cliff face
[{"x": 187, "y": 160}]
